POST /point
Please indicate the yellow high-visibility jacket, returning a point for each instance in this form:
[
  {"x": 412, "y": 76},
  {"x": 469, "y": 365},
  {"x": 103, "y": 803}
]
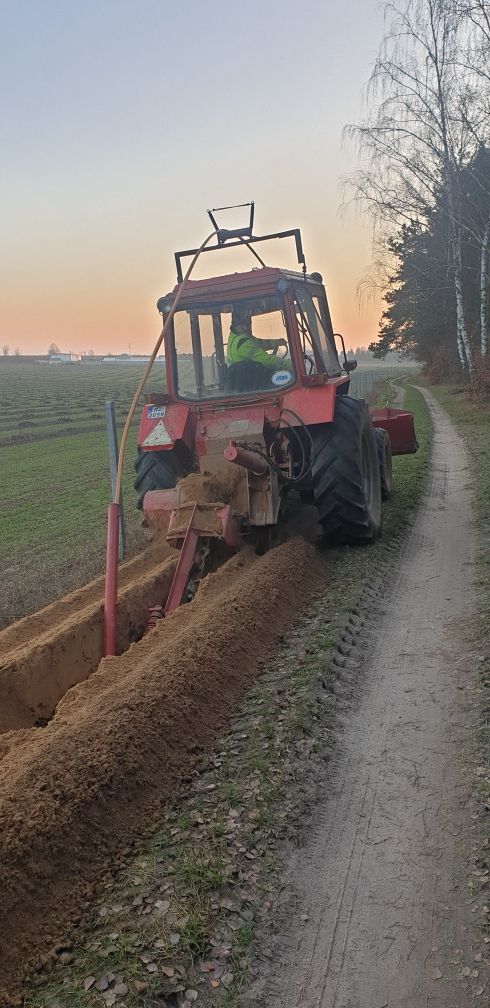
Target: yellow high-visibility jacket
[{"x": 244, "y": 347}]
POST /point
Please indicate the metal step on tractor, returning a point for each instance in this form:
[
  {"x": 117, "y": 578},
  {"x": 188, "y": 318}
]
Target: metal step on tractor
[{"x": 257, "y": 402}]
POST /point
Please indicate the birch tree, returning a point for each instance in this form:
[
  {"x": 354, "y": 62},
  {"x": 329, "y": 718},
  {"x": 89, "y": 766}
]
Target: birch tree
[
  {"x": 419, "y": 132},
  {"x": 474, "y": 62}
]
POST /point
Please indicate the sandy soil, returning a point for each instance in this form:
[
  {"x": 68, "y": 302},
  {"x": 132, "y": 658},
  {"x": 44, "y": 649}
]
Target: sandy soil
[
  {"x": 45, "y": 654},
  {"x": 380, "y": 916},
  {"x": 73, "y": 794}
]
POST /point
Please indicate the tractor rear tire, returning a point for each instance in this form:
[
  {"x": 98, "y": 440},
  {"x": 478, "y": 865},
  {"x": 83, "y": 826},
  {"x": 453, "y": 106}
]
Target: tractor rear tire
[
  {"x": 345, "y": 475},
  {"x": 155, "y": 470},
  {"x": 383, "y": 445}
]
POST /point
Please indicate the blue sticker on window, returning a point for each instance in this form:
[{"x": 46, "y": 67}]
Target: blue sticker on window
[
  {"x": 281, "y": 378},
  {"x": 156, "y": 412}
]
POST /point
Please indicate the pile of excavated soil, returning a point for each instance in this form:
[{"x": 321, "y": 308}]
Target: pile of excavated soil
[
  {"x": 75, "y": 793},
  {"x": 209, "y": 488},
  {"x": 45, "y": 654}
]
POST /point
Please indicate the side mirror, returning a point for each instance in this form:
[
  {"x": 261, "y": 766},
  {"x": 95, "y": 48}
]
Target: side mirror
[{"x": 349, "y": 365}]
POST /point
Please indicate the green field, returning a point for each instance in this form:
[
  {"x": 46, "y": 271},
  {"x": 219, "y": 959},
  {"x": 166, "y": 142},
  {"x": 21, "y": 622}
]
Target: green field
[
  {"x": 55, "y": 479},
  {"x": 42, "y": 400}
]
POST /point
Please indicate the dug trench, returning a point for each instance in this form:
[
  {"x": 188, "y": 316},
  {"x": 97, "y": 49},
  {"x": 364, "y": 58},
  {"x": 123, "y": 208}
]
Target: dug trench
[
  {"x": 74, "y": 793},
  {"x": 43, "y": 655}
]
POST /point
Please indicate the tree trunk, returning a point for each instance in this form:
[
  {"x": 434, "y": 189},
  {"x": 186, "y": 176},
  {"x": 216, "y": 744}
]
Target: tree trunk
[
  {"x": 461, "y": 332},
  {"x": 452, "y": 177},
  {"x": 464, "y": 346},
  {"x": 484, "y": 290}
]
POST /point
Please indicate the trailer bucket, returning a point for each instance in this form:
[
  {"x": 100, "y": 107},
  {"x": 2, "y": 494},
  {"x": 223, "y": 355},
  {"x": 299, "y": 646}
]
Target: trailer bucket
[{"x": 399, "y": 425}]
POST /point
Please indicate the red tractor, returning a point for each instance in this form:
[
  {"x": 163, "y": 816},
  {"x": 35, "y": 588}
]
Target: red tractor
[{"x": 257, "y": 397}]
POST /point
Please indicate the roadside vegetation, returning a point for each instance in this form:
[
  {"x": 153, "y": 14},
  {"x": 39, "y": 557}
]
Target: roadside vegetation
[
  {"x": 191, "y": 909},
  {"x": 473, "y": 422}
]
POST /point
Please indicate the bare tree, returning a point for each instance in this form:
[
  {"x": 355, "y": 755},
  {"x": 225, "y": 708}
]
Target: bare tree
[
  {"x": 53, "y": 348},
  {"x": 474, "y": 15},
  {"x": 476, "y": 197},
  {"x": 17, "y": 351},
  {"x": 474, "y": 62},
  {"x": 5, "y": 349},
  {"x": 420, "y": 131}
]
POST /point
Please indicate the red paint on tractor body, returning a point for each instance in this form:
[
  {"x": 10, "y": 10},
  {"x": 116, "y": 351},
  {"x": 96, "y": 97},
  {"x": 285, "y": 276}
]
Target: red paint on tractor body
[
  {"x": 314, "y": 404},
  {"x": 174, "y": 423},
  {"x": 196, "y": 424}
]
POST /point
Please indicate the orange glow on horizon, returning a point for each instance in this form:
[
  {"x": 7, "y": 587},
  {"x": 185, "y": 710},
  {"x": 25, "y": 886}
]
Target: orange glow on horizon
[{"x": 111, "y": 307}]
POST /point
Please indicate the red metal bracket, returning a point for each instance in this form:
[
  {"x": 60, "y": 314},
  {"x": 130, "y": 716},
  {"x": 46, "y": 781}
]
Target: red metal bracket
[
  {"x": 184, "y": 567},
  {"x": 400, "y": 427}
]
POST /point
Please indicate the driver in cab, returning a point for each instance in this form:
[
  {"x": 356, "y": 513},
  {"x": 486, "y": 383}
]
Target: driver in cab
[{"x": 243, "y": 346}]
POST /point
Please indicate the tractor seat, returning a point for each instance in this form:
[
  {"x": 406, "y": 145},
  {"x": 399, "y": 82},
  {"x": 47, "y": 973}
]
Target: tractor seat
[{"x": 247, "y": 376}]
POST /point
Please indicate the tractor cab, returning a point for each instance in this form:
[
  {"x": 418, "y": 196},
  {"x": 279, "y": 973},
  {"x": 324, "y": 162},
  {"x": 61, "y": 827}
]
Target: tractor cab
[{"x": 258, "y": 332}]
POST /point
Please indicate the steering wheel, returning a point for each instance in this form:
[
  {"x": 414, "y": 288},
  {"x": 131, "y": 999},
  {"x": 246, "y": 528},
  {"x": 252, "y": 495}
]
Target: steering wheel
[{"x": 311, "y": 362}]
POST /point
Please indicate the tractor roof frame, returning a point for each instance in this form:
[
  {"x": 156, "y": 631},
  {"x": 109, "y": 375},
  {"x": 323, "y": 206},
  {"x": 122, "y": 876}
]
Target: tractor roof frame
[{"x": 241, "y": 236}]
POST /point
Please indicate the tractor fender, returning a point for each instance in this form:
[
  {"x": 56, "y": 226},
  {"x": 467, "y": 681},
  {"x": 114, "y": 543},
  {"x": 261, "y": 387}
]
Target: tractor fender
[
  {"x": 398, "y": 424},
  {"x": 313, "y": 405},
  {"x": 162, "y": 426}
]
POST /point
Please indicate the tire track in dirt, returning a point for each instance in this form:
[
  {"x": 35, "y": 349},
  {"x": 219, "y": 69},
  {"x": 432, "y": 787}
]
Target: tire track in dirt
[
  {"x": 380, "y": 879},
  {"x": 75, "y": 793}
]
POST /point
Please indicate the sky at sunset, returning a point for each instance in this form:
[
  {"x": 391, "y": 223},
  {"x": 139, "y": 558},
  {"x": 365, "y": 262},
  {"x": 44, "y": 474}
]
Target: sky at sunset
[{"x": 121, "y": 122}]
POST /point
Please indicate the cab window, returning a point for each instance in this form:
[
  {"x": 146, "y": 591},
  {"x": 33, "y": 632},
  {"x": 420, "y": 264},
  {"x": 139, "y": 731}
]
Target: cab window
[
  {"x": 318, "y": 348},
  {"x": 231, "y": 349}
]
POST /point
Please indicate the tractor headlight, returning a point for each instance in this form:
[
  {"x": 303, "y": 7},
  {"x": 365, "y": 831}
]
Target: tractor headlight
[{"x": 164, "y": 305}]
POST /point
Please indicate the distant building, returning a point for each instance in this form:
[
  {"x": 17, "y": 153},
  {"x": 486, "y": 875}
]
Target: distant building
[
  {"x": 65, "y": 358},
  {"x": 126, "y": 359}
]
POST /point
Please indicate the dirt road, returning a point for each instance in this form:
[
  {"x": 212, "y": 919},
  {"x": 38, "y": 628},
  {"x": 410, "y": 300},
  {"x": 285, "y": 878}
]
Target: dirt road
[{"x": 380, "y": 916}]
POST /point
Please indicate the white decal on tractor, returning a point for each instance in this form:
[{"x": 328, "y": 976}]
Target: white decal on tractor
[
  {"x": 158, "y": 436},
  {"x": 281, "y": 378},
  {"x": 238, "y": 426}
]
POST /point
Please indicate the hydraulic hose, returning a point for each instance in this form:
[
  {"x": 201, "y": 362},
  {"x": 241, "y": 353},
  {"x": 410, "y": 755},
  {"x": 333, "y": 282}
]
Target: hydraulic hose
[
  {"x": 305, "y": 464},
  {"x": 113, "y": 511},
  {"x": 143, "y": 380}
]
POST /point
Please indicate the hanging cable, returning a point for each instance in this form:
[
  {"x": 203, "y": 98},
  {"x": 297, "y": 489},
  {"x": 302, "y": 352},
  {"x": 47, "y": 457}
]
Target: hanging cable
[
  {"x": 143, "y": 380},
  {"x": 306, "y": 463},
  {"x": 113, "y": 510},
  {"x": 304, "y": 471}
]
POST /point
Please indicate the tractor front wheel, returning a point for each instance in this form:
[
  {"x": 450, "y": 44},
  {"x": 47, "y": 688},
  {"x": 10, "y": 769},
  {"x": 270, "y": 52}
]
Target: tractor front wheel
[
  {"x": 345, "y": 474},
  {"x": 155, "y": 470}
]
